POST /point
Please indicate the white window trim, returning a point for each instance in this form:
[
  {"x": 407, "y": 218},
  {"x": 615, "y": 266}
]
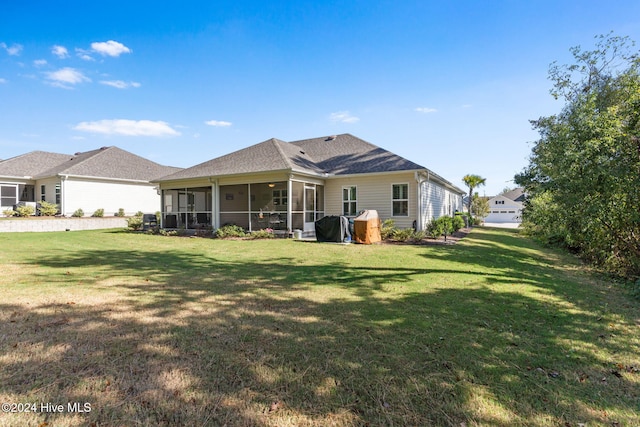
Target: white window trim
[
  {"x": 343, "y": 201},
  {"x": 408, "y": 200}
]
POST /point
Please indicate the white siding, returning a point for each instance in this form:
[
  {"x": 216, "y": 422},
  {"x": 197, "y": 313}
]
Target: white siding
[
  {"x": 110, "y": 196},
  {"x": 373, "y": 192},
  {"x": 438, "y": 201}
]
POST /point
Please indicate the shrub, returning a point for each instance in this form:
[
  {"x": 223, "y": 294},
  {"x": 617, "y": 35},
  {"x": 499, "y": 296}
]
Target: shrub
[
  {"x": 120, "y": 212},
  {"x": 435, "y": 229},
  {"x": 139, "y": 213},
  {"x": 79, "y": 213},
  {"x": 230, "y": 231},
  {"x": 9, "y": 212},
  {"x": 135, "y": 223},
  {"x": 457, "y": 223},
  {"x": 403, "y": 235},
  {"x": 387, "y": 228},
  {"x": 99, "y": 213},
  {"x": 47, "y": 209},
  {"x": 267, "y": 233},
  {"x": 25, "y": 210},
  {"x": 447, "y": 225}
]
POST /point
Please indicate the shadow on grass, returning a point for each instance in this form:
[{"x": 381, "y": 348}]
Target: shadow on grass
[{"x": 198, "y": 340}]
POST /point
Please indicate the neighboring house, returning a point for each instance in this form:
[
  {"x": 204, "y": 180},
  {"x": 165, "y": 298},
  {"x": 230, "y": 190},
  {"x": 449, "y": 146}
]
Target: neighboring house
[
  {"x": 290, "y": 185},
  {"x": 108, "y": 178},
  {"x": 506, "y": 207}
]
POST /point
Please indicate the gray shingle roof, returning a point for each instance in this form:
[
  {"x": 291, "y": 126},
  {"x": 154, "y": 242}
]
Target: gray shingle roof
[
  {"x": 31, "y": 164},
  {"x": 109, "y": 162},
  {"x": 344, "y": 154},
  {"x": 517, "y": 194}
]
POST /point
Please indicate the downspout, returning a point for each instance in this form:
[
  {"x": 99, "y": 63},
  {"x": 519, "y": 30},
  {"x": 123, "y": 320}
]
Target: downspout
[
  {"x": 63, "y": 194},
  {"x": 420, "y": 223}
]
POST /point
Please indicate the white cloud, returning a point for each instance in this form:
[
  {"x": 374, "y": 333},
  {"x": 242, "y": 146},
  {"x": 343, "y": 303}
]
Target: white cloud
[
  {"x": 425, "y": 110},
  {"x": 13, "y": 50},
  {"x": 84, "y": 54},
  {"x": 2, "y": 81},
  {"x": 110, "y": 48},
  {"x": 119, "y": 84},
  {"x": 128, "y": 127},
  {"x": 66, "y": 76},
  {"x": 343, "y": 117},
  {"x": 40, "y": 62},
  {"x": 60, "y": 51},
  {"x": 218, "y": 123}
]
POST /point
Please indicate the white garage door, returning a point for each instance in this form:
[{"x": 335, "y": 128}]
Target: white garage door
[{"x": 502, "y": 215}]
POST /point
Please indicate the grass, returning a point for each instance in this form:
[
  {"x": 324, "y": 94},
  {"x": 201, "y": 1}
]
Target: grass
[{"x": 150, "y": 330}]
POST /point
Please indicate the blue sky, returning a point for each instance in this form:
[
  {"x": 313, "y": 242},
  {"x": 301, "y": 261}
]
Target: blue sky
[{"x": 450, "y": 85}]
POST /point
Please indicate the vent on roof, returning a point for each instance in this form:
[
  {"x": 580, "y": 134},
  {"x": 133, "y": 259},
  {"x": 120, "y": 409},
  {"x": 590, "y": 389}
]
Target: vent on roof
[
  {"x": 302, "y": 152},
  {"x": 103, "y": 148},
  {"x": 77, "y": 154},
  {"x": 330, "y": 138}
]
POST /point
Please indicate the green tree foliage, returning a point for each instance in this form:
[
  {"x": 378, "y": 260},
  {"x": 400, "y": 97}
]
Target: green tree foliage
[
  {"x": 472, "y": 181},
  {"x": 479, "y": 206},
  {"x": 583, "y": 179}
]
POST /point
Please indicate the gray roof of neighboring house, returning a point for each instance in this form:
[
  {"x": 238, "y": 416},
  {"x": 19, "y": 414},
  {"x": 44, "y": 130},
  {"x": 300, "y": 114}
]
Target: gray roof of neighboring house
[
  {"x": 106, "y": 162},
  {"x": 30, "y": 164},
  {"x": 517, "y": 194},
  {"x": 109, "y": 162},
  {"x": 340, "y": 155}
]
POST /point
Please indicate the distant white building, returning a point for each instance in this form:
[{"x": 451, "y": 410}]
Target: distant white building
[{"x": 506, "y": 208}]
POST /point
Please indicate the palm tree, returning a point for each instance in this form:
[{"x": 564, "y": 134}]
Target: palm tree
[{"x": 472, "y": 181}]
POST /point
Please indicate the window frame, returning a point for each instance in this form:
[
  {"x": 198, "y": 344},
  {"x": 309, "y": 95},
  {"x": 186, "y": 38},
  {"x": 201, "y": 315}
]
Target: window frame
[
  {"x": 349, "y": 200},
  {"x": 394, "y": 200}
]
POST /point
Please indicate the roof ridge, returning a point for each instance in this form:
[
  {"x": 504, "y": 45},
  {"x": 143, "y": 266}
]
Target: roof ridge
[{"x": 276, "y": 142}]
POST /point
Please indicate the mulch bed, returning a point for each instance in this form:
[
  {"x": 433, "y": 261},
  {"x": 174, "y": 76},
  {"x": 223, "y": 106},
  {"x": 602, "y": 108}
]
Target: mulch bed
[{"x": 451, "y": 240}]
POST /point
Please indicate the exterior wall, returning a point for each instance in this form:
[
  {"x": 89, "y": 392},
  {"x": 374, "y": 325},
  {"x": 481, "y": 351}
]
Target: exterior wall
[
  {"x": 49, "y": 187},
  {"x": 438, "y": 201},
  {"x": 110, "y": 196},
  {"x": 374, "y": 192},
  {"x": 502, "y": 209}
]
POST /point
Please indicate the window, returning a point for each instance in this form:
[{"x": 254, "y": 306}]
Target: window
[
  {"x": 400, "y": 199},
  {"x": 280, "y": 198},
  {"x": 349, "y": 201},
  {"x": 8, "y": 195},
  {"x": 57, "y": 194},
  {"x": 43, "y": 193}
]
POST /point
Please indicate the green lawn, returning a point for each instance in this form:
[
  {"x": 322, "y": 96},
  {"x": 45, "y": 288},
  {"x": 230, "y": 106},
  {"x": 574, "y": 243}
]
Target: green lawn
[{"x": 152, "y": 330}]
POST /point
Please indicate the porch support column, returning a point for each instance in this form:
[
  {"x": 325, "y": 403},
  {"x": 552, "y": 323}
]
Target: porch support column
[
  {"x": 289, "y": 203},
  {"x": 215, "y": 211}
]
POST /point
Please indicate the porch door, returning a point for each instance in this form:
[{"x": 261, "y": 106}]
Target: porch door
[{"x": 309, "y": 208}]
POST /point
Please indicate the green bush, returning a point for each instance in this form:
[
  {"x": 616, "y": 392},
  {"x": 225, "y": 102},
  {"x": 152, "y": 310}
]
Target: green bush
[
  {"x": 120, "y": 212},
  {"x": 48, "y": 209},
  {"x": 99, "y": 213},
  {"x": 25, "y": 211},
  {"x": 435, "y": 229},
  {"x": 230, "y": 231},
  {"x": 447, "y": 225},
  {"x": 135, "y": 223},
  {"x": 403, "y": 235},
  {"x": 457, "y": 222},
  {"x": 387, "y": 228},
  {"x": 262, "y": 234},
  {"x": 9, "y": 212},
  {"x": 79, "y": 213}
]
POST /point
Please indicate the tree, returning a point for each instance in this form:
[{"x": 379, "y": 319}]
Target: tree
[
  {"x": 480, "y": 206},
  {"x": 583, "y": 179},
  {"x": 472, "y": 181}
]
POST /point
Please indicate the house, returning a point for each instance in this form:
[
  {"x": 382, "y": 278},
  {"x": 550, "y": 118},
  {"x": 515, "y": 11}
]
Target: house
[
  {"x": 108, "y": 178},
  {"x": 289, "y": 185},
  {"x": 506, "y": 207}
]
